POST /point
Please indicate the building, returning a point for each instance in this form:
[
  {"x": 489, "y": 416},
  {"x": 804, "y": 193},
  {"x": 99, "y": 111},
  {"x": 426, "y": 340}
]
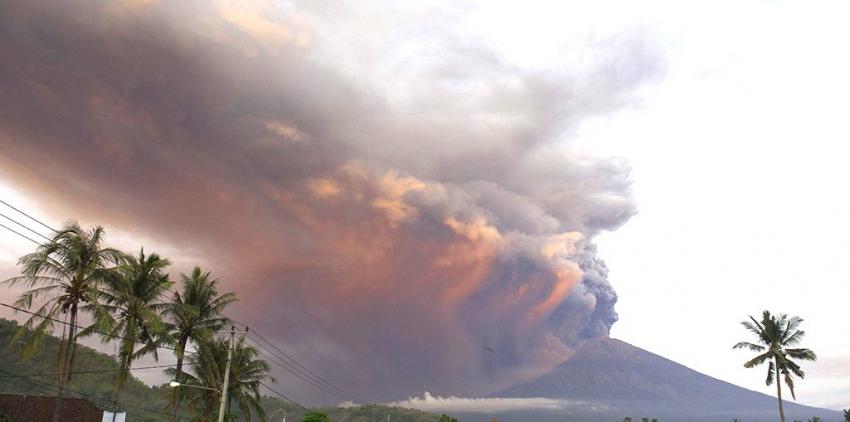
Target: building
[{"x": 22, "y": 408}]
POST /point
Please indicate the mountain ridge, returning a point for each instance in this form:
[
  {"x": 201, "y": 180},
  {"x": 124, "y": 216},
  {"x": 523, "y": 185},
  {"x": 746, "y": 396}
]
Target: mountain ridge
[{"x": 632, "y": 380}]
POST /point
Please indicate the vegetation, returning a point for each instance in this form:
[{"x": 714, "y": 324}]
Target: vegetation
[
  {"x": 776, "y": 335},
  {"x": 66, "y": 271},
  {"x": 72, "y": 273},
  {"x": 144, "y": 403},
  {"x": 196, "y": 314},
  {"x": 246, "y": 373},
  {"x": 124, "y": 296},
  {"x": 372, "y": 412},
  {"x": 127, "y": 298},
  {"x": 847, "y": 415},
  {"x": 94, "y": 375},
  {"x": 316, "y": 417},
  {"x": 129, "y": 309}
]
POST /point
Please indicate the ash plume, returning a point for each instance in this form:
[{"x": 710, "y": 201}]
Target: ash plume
[{"x": 384, "y": 231}]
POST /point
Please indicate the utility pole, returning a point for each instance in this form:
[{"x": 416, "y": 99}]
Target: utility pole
[{"x": 226, "y": 376}]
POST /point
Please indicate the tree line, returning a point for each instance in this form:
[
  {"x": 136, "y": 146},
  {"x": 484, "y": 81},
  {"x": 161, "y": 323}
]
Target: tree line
[{"x": 131, "y": 299}]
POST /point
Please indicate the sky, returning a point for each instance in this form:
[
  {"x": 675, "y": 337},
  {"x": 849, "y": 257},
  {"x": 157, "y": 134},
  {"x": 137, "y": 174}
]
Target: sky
[{"x": 393, "y": 190}]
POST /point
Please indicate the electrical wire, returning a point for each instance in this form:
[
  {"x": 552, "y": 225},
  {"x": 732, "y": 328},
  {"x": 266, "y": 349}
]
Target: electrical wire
[
  {"x": 28, "y": 216},
  {"x": 283, "y": 359},
  {"x": 25, "y": 226},
  {"x": 97, "y": 371},
  {"x": 107, "y": 402},
  {"x": 293, "y": 366},
  {"x": 103, "y": 333}
]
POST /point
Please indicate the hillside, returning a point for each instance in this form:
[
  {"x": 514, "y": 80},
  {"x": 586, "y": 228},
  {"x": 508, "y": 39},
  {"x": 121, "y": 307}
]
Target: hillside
[
  {"x": 26, "y": 376},
  {"x": 368, "y": 413},
  {"x": 143, "y": 403},
  {"x": 626, "y": 380}
]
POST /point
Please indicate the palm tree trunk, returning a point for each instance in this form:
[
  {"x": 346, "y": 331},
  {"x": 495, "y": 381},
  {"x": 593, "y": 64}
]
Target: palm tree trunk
[
  {"x": 66, "y": 364},
  {"x": 779, "y": 392},
  {"x": 71, "y": 359},
  {"x": 123, "y": 372},
  {"x": 126, "y": 355},
  {"x": 60, "y": 359},
  {"x": 175, "y": 398}
]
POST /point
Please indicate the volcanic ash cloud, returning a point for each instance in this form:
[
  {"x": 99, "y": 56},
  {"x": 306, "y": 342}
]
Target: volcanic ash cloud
[{"x": 432, "y": 232}]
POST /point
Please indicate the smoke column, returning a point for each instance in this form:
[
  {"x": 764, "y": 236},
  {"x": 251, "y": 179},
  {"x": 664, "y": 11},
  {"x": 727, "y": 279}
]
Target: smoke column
[{"x": 406, "y": 224}]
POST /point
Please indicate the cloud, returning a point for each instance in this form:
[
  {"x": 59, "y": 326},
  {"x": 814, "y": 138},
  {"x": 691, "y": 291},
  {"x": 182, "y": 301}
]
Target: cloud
[
  {"x": 433, "y": 231},
  {"x": 430, "y": 403}
]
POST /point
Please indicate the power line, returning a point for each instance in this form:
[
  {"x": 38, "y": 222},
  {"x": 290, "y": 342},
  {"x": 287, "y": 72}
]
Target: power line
[
  {"x": 294, "y": 367},
  {"x": 28, "y": 216},
  {"x": 31, "y": 386},
  {"x": 24, "y": 226},
  {"x": 98, "y": 371},
  {"x": 108, "y": 402},
  {"x": 284, "y": 397},
  {"x": 287, "y": 362},
  {"x": 103, "y": 333},
  {"x": 276, "y": 360},
  {"x": 20, "y": 234},
  {"x": 281, "y": 395}
]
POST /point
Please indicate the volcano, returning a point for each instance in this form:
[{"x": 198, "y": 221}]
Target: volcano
[{"x": 608, "y": 379}]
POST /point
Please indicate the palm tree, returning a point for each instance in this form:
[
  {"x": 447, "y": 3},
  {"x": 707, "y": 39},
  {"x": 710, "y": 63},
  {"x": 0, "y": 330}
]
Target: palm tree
[
  {"x": 847, "y": 415},
  {"x": 129, "y": 309},
  {"x": 196, "y": 314},
  {"x": 67, "y": 271},
  {"x": 246, "y": 373},
  {"x": 776, "y": 335}
]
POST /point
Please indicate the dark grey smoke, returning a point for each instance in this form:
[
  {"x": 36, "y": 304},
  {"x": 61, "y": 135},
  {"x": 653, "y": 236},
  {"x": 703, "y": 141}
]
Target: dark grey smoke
[{"x": 384, "y": 232}]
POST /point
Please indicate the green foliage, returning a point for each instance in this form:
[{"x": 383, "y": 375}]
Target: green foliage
[
  {"x": 377, "y": 413},
  {"x": 96, "y": 387},
  {"x": 73, "y": 273},
  {"x": 847, "y": 415},
  {"x": 246, "y": 372},
  {"x": 129, "y": 307},
  {"x": 195, "y": 313},
  {"x": 316, "y": 417},
  {"x": 815, "y": 419},
  {"x": 776, "y": 335},
  {"x": 365, "y": 413},
  {"x": 66, "y": 272}
]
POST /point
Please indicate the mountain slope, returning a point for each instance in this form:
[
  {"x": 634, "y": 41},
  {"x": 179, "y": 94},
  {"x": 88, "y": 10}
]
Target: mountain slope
[
  {"x": 632, "y": 380},
  {"x": 95, "y": 382}
]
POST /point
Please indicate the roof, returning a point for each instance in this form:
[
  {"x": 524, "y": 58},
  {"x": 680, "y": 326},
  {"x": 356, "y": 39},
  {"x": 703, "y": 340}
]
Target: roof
[{"x": 40, "y": 409}]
